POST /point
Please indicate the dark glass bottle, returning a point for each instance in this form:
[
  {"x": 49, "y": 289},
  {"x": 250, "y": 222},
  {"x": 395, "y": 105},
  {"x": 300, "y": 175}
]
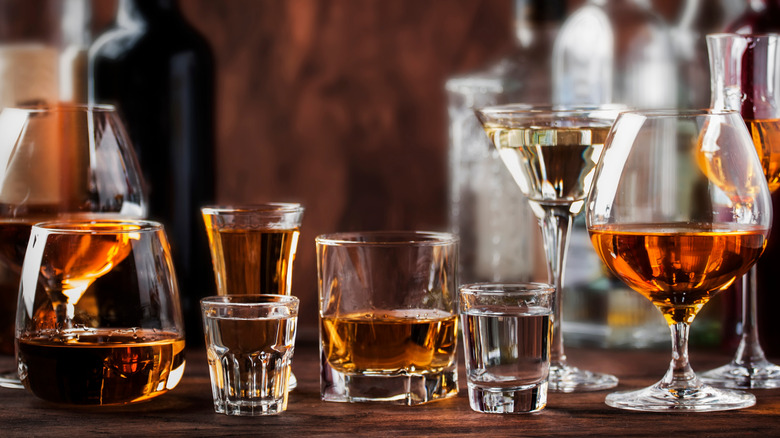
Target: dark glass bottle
[{"x": 159, "y": 72}]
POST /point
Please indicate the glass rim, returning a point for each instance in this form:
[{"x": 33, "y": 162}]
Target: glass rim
[
  {"x": 229, "y": 300},
  {"x": 387, "y": 238},
  {"x": 500, "y": 289},
  {"x": 266, "y": 207},
  {"x": 541, "y": 109},
  {"x": 98, "y": 226},
  {"x": 742, "y": 36},
  {"x": 680, "y": 113},
  {"x": 549, "y": 108},
  {"x": 55, "y": 107}
]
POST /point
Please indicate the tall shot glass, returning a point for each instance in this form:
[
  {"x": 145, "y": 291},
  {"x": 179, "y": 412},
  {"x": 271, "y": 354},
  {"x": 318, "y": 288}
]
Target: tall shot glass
[
  {"x": 507, "y": 333},
  {"x": 388, "y": 316},
  {"x": 253, "y": 248}
]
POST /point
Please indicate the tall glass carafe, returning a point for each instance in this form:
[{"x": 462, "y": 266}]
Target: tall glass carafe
[
  {"x": 745, "y": 78},
  {"x": 499, "y": 236},
  {"x": 762, "y": 16}
]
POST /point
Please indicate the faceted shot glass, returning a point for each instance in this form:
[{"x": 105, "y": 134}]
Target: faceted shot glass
[
  {"x": 507, "y": 331},
  {"x": 250, "y": 341},
  {"x": 388, "y": 316}
]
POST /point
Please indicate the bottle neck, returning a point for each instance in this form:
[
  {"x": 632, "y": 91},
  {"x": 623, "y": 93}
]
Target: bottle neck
[
  {"x": 532, "y": 15},
  {"x": 135, "y": 12}
]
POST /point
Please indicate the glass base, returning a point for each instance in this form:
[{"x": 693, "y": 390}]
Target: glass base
[
  {"x": 522, "y": 400},
  {"x": 760, "y": 375},
  {"x": 704, "y": 398},
  {"x": 565, "y": 378},
  {"x": 250, "y": 408},
  {"x": 9, "y": 379},
  {"x": 398, "y": 389}
]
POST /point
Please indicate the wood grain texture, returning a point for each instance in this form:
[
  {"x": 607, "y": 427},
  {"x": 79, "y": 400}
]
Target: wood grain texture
[{"x": 188, "y": 409}]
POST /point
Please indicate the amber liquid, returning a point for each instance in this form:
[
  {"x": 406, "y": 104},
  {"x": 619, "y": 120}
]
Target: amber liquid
[
  {"x": 678, "y": 267},
  {"x": 252, "y": 261},
  {"x": 101, "y": 367},
  {"x": 766, "y": 137},
  {"x": 13, "y": 244},
  {"x": 551, "y": 165},
  {"x": 73, "y": 261},
  {"x": 391, "y": 342}
]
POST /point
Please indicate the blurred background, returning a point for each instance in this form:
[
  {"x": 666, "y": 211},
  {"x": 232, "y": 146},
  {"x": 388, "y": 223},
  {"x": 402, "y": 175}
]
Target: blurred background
[{"x": 361, "y": 111}]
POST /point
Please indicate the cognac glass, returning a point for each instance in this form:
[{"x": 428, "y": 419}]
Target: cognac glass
[
  {"x": 58, "y": 161},
  {"x": 98, "y": 318},
  {"x": 679, "y": 210}
]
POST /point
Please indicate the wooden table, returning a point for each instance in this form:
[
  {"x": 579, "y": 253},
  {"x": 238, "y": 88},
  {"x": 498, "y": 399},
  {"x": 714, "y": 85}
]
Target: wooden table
[{"x": 188, "y": 410}]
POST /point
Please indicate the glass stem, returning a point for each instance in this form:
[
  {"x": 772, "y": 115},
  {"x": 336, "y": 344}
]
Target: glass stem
[
  {"x": 749, "y": 351},
  {"x": 556, "y": 228},
  {"x": 680, "y": 375}
]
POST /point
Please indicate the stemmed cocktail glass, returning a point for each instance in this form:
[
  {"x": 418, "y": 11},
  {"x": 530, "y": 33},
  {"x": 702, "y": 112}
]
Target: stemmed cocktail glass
[
  {"x": 552, "y": 154},
  {"x": 746, "y": 78},
  {"x": 679, "y": 209}
]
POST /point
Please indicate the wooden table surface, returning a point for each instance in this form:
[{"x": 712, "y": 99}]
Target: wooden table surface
[{"x": 188, "y": 410}]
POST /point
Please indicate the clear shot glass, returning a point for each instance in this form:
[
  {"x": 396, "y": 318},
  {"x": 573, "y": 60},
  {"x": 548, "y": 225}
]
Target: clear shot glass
[
  {"x": 250, "y": 341},
  {"x": 507, "y": 331}
]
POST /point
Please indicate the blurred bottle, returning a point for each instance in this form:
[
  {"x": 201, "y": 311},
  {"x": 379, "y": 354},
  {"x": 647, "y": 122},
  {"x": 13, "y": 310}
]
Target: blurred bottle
[
  {"x": 611, "y": 52},
  {"x": 694, "y": 20},
  {"x": 160, "y": 73},
  {"x": 760, "y": 16},
  {"x": 615, "y": 51},
  {"x": 500, "y": 239},
  {"x": 76, "y": 38},
  {"x": 28, "y": 52}
]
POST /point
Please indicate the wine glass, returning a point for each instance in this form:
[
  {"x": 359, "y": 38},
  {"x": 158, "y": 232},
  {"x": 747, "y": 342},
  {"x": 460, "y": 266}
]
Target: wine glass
[
  {"x": 98, "y": 317},
  {"x": 57, "y": 161},
  {"x": 679, "y": 209},
  {"x": 746, "y": 78},
  {"x": 551, "y": 154}
]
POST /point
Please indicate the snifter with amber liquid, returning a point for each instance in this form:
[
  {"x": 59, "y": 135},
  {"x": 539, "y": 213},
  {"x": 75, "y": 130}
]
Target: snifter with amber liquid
[
  {"x": 98, "y": 317},
  {"x": 58, "y": 161},
  {"x": 679, "y": 210}
]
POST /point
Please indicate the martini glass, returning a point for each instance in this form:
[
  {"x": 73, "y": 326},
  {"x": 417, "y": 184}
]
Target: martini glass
[
  {"x": 679, "y": 210},
  {"x": 551, "y": 154},
  {"x": 746, "y": 78}
]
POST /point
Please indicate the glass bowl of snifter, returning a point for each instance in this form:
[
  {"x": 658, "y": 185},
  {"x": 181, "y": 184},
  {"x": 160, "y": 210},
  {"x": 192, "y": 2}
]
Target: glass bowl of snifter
[{"x": 99, "y": 320}]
